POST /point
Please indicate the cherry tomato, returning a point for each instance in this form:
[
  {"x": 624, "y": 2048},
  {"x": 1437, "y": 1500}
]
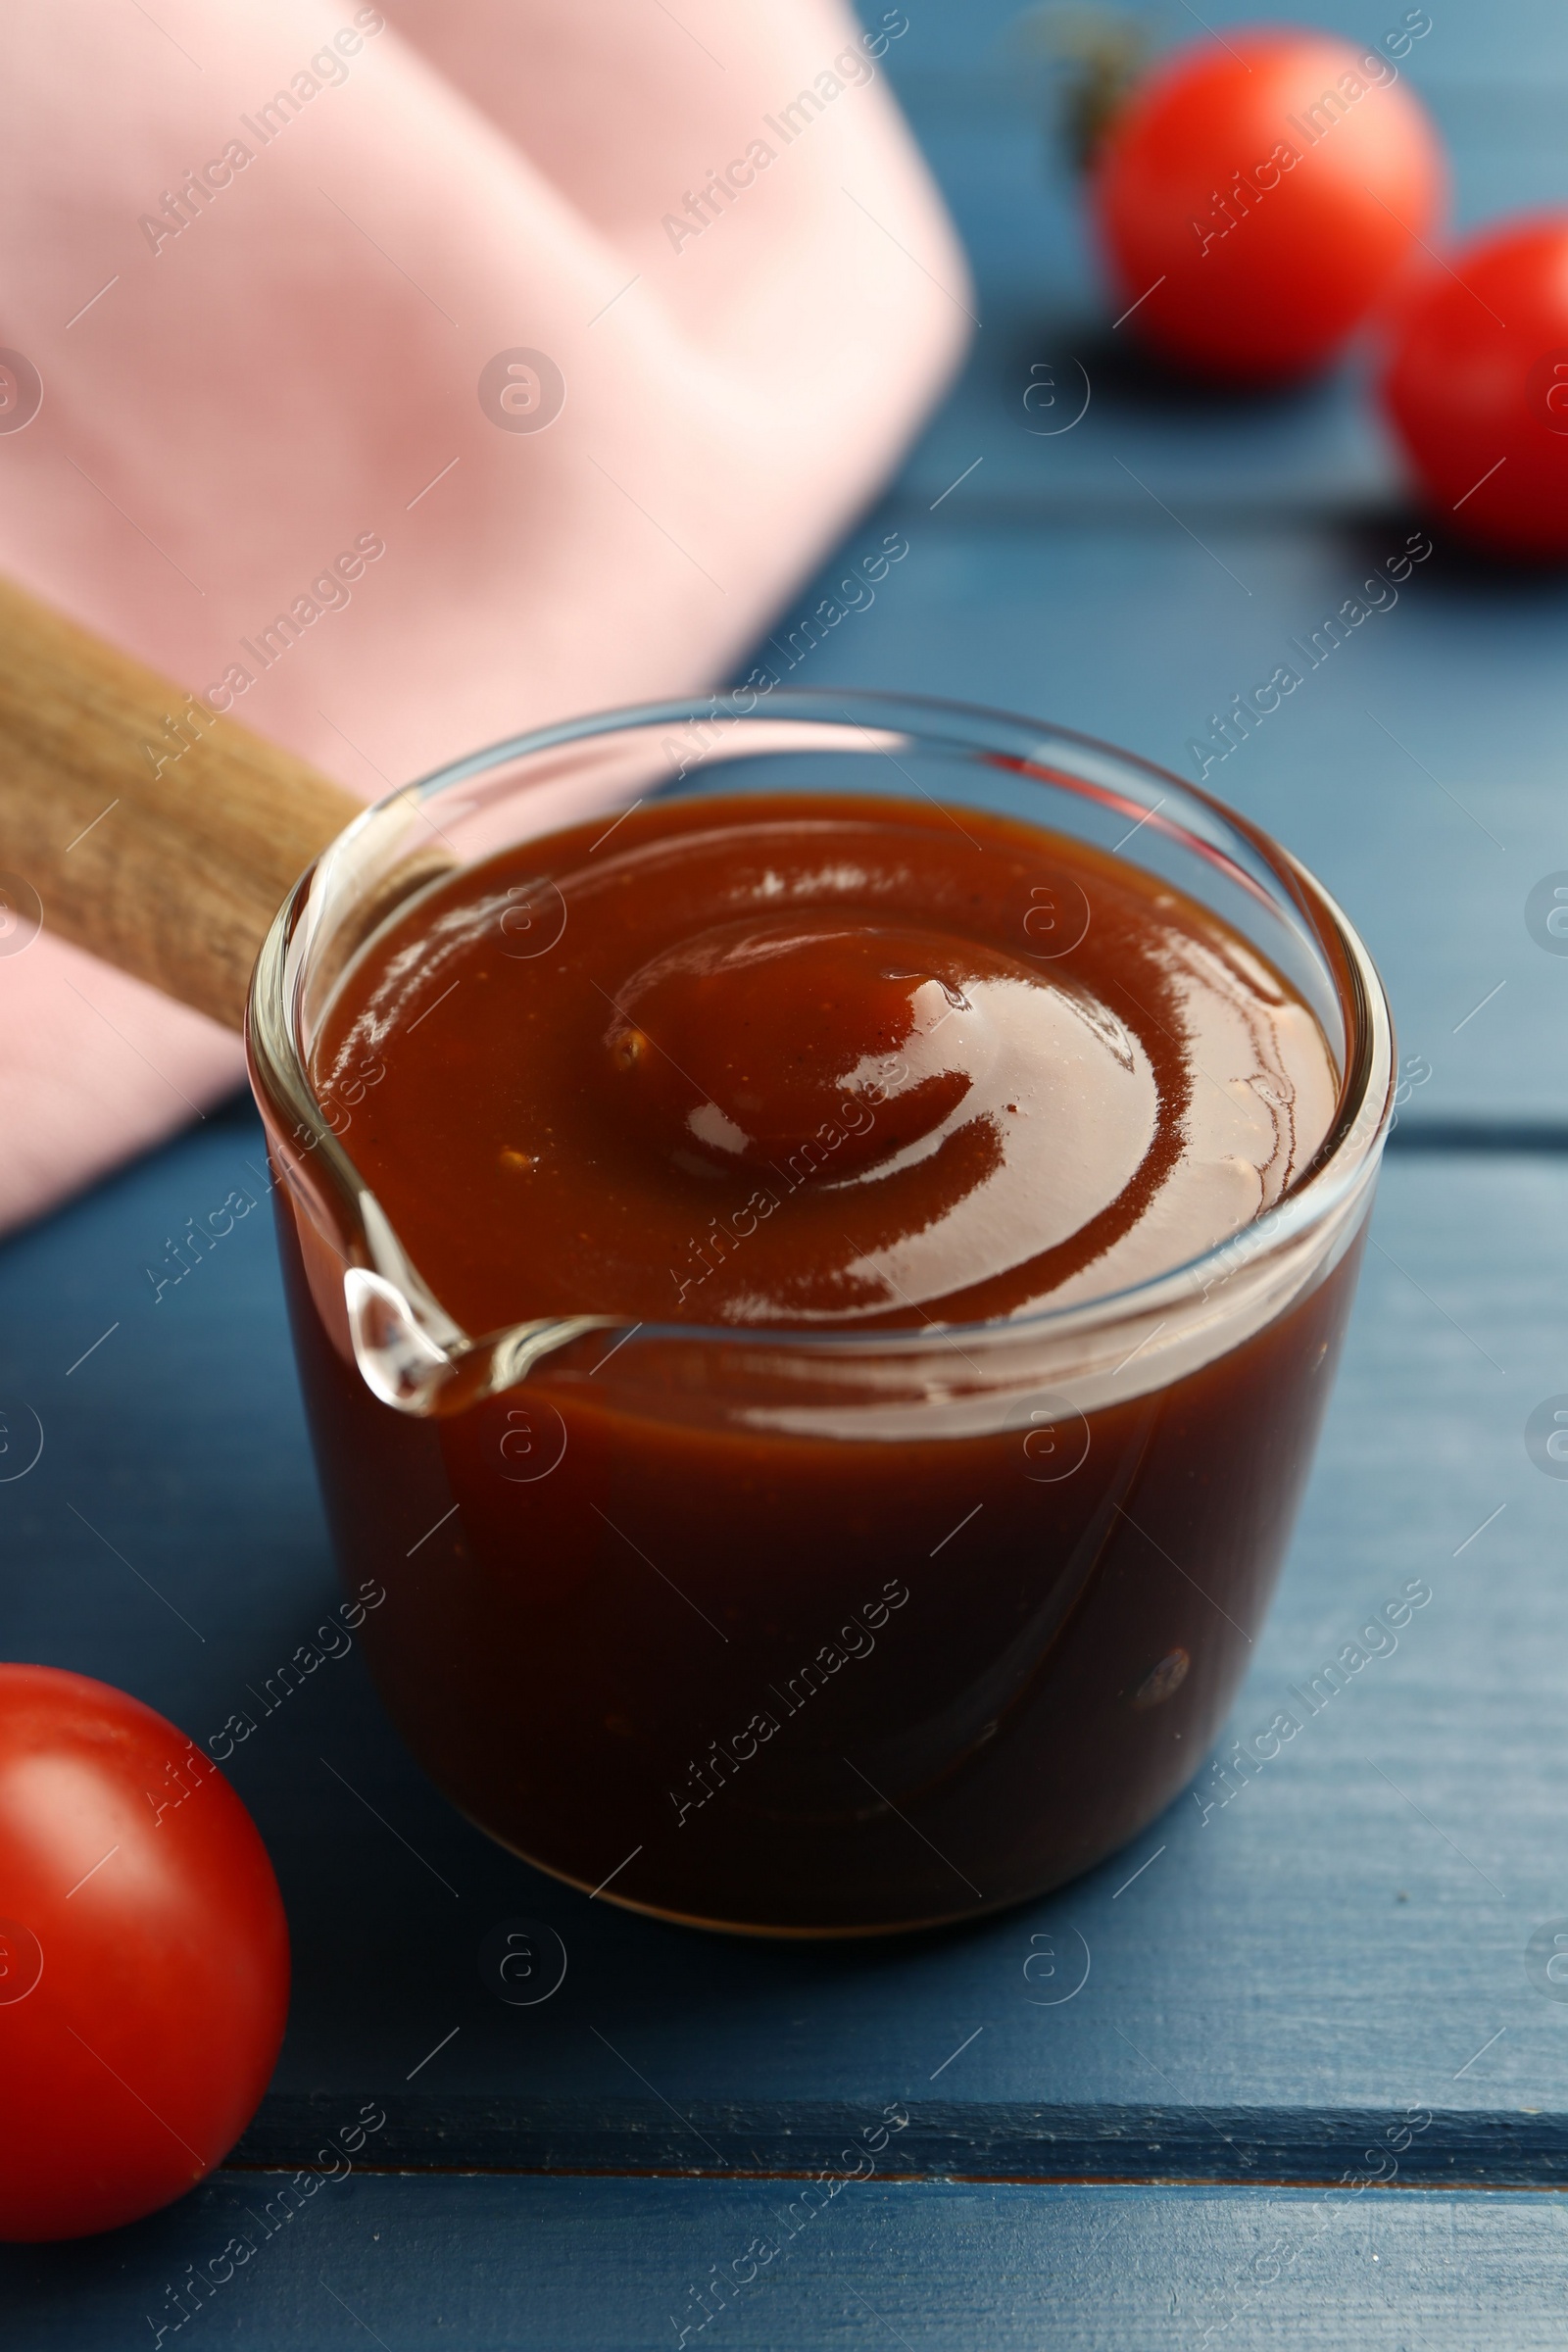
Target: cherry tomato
[
  {"x": 143, "y": 1958},
  {"x": 1256, "y": 198},
  {"x": 1478, "y": 387}
]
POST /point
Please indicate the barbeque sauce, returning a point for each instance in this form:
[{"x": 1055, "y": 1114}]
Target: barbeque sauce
[{"x": 682, "y": 1608}]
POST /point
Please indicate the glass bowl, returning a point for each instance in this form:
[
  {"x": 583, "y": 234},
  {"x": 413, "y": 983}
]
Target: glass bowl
[{"x": 806, "y": 1632}]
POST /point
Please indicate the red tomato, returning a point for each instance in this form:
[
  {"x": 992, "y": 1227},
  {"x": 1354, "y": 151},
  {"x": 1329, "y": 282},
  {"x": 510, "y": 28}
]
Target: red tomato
[
  {"x": 1255, "y": 198},
  {"x": 143, "y": 1958},
  {"x": 1478, "y": 387}
]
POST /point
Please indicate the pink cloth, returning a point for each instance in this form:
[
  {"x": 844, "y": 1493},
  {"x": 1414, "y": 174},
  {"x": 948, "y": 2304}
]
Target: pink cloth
[{"x": 232, "y": 399}]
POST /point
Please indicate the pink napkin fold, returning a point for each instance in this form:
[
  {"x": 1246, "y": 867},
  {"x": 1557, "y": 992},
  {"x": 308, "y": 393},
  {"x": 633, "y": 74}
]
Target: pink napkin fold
[{"x": 518, "y": 357}]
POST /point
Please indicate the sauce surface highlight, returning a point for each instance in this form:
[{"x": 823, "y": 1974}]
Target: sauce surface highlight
[{"x": 808, "y": 1060}]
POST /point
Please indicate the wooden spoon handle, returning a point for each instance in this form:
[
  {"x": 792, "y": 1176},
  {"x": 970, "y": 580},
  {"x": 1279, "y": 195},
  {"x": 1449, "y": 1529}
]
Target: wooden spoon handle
[{"x": 155, "y": 833}]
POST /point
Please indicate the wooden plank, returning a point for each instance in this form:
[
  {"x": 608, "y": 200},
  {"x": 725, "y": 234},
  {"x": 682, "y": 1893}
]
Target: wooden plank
[
  {"x": 1346, "y": 1934},
  {"x": 563, "y": 2265}
]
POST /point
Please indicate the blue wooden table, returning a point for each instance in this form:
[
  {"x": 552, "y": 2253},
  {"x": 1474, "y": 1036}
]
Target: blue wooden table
[{"x": 1290, "y": 2070}]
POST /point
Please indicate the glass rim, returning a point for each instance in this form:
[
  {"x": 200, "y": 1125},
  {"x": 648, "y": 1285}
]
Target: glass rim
[{"x": 1347, "y": 1154}]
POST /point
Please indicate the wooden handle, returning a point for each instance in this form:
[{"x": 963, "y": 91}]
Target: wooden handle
[{"x": 157, "y": 834}]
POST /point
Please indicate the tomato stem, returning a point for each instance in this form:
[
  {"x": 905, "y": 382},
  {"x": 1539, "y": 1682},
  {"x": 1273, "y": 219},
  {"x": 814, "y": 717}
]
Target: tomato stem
[{"x": 1092, "y": 57}]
